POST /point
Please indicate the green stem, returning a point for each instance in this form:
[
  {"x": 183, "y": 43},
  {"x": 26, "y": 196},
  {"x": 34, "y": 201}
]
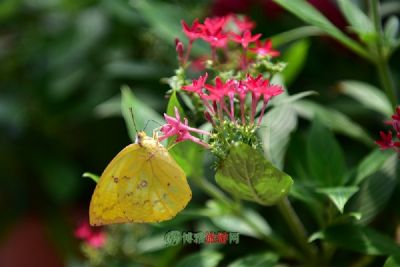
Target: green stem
[
  {"x": 297, "y": 228},
  {"x": 380, "y": 60},
  {"x": 282, "y": 248}
]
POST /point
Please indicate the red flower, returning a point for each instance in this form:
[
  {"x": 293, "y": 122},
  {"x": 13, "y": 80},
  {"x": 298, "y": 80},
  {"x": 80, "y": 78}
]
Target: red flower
[
  {"x": 264, "y": 49},
  {"x": 218, "y": 39},
  {"x": 193, "y": 32},
  {"x": 197, "y": 85},
  {"x": 174, "y": 127},
  {"x": 93, "y": 238},
  {"x": 214, "y": 25},
  {"x": 245, "y": 39},
  {"x": 386, "y": 141},
  {"x": 243, "y": 24}
]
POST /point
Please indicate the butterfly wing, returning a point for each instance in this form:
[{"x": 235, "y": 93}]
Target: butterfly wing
[
  {"x": 161, "y": 191},
  {"x": 104, "y": 206},
  {"x": 141, "y": 184}
]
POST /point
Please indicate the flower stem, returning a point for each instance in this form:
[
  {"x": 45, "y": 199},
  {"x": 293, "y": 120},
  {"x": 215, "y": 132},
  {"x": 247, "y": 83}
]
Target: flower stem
[
  {"x": 297, "y": 228},
  {"x": 380, "y": 60}
]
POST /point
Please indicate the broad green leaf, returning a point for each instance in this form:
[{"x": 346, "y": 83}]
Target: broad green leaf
[
  {"x": 371, "y": 164},
  {"x": 375, "y": 191},
  {"x": 368, "y": 95},
  {"x": 248, "y": 175},
  {"x": 189, "y": 156},
  {"x": 295, "y": 34},
  {"x": 172, "y": 103},
  {"x": 164, "y": 18},
  {"x": 391, "y": 30},
  {"x": 136, "y": 70},
  {"x": 293, "y": 98},
  {"x": 227, "y": 220},
  {"x": 256, "y": 260},
  {"x": 339, "y": 195},
  {"x": 92, "y": 176},
  {"x": 280, "y": 122},
  {"x": 306, "y": 12},
  {"x": 142, "y": 113},
  {"x": 332, "y": 119},
  {"x": 360, "y": 23},
  {"x": 205, "y": 258},
  {"x": 392, "y": 262},
  {"x": 325, "y": 157},
  {"x": 296, "y": 56},
  {"x": 360, "y": 239}
]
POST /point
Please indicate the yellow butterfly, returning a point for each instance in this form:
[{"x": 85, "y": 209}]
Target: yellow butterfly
[{"x": 143, "y": 183}]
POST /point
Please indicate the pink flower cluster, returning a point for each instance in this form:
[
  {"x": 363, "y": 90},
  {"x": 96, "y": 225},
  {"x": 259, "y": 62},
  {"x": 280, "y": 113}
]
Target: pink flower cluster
[
  {"x": 94, "y": 238},
  {"x": 218, "y": 31},
  {"x": 215, "y": 97},
  {"x": 174, "y": 127},
  {"x": 387, "y": 141}
]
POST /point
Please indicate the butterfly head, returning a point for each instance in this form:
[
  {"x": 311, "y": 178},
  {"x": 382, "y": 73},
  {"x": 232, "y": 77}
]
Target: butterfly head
[{"x": 140, "y": 137}]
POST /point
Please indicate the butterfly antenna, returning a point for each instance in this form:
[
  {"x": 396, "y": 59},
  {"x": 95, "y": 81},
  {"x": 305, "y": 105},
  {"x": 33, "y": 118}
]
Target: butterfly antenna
[
  {"x": 133, "y": 119},
  {"x": 147, "y": 123}
]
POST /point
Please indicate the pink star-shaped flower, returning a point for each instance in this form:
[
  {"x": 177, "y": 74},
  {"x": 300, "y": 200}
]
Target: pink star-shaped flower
[
  {"x": 243, "y": 24},
  {"x": 192, "y": 32},
  {"x": 245, "y": 39},
  {"x": 197, "y": 85},
  {"x": 174, "y": 127},
  {"x": 264, "y": 49},
  {"x": 386, "y": 141}
]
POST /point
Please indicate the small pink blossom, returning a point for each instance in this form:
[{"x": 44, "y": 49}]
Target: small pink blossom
[
  {"x": 243, "y": 24},
  {"x": 386, "y": 140},
  {"x": 245, "y": 39},
  {"x": 197, "y": 85},
  {"x": 265, "y": 49},
  {"x": 174, "y": 127},
  {"x": 213, "y": 26},
  {"x": 192, "y": 32},
  {"x": 94, "y": 238}
]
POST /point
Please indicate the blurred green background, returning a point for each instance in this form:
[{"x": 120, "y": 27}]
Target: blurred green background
[{"x": 62, "y": 64}]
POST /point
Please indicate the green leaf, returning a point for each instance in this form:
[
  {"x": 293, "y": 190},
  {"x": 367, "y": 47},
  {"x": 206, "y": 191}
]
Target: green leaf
[
  {"x": 224, "y": 218},
  {"x": 189, "y": 156},
  {"x": 309, "y": 14},
  {"x": 295, "y": 34},
  {"x": 248, "y": 175},
  {"x": 325, "y": 157},
  {"x": 296, "y": 56},
  {"x": 92, "y": 176},
  {"x": 339, "y": 195},
  {"x": 280, "y": 122},
  {"x": 360, "y": 23},
  {"x": 142, "y": 113},
  {"x": 360, "y": 239},
  {"x": 136, "y": 70},
  {"x": 368, "y": 95},
  {"x": 392, "y": 262},
  {"x": 256, "y": 260},
  {"x": 391, "y": 30},
  {"x": 205, "y": 258},
  {"x": 371, "y": 164},
  {"x": 332, "y": 119},
  {"x": 172, "y": 103},
  {"x": 375, "y": 191},
  {"x": 162, "y": 17}
]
